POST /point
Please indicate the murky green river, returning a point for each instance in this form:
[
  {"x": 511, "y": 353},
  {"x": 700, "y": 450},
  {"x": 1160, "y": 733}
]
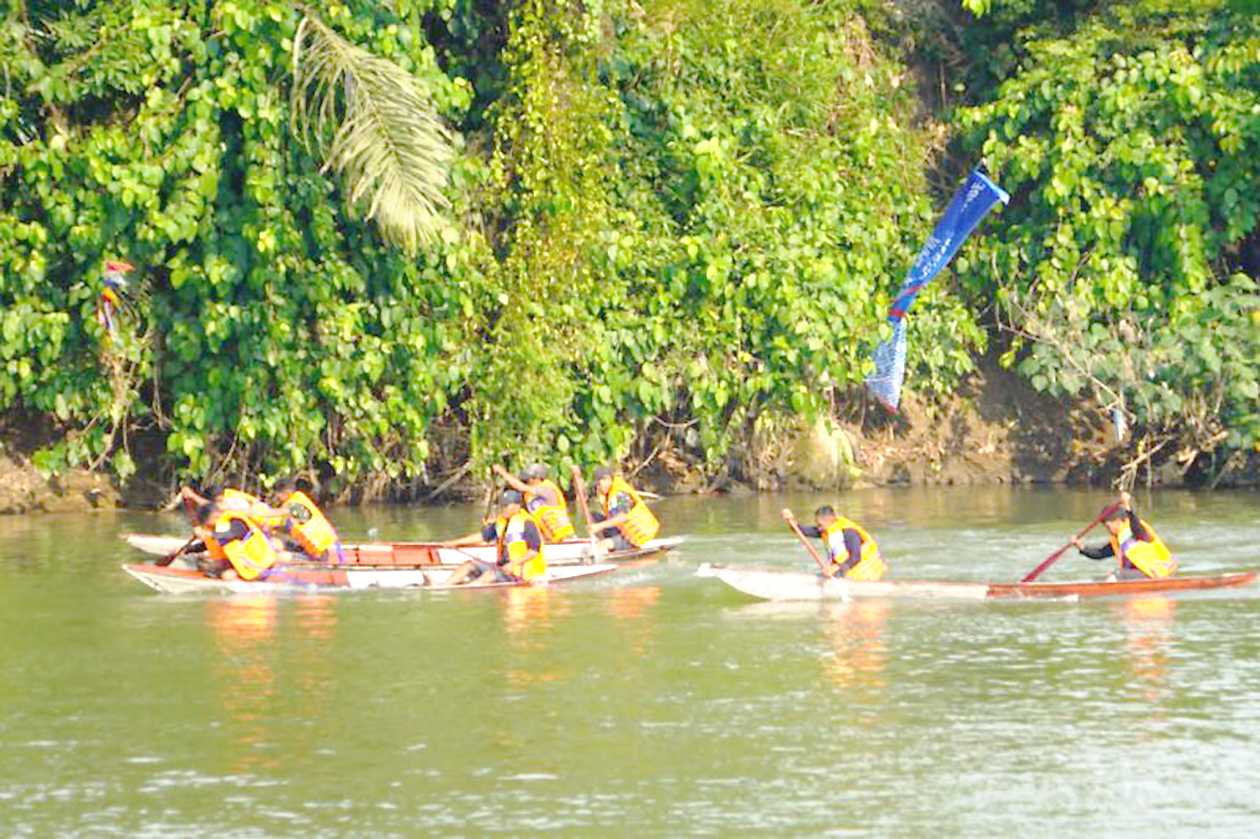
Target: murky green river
[{"x": 648, "y": 702}]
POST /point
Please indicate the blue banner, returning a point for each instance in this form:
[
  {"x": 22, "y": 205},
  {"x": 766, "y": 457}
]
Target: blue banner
[{"x": 970, "y": 204}]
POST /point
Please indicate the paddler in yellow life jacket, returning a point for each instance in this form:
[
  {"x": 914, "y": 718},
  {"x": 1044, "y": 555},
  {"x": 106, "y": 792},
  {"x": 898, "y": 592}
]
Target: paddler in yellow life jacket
[
  {"x": 1134, "y": 543},
  {"x": 623, "y": 511},
  {"x": 544, "y": 500},
  {"x": 236, "y": 545},
  {"x": 853, "y": 552},
  {"x": 519, "y": 553},
  {"x": 306, "y": 526}
]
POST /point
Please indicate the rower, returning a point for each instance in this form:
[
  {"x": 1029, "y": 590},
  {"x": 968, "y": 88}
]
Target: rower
[
  {"x": 853, "y": 552},
  {"x": 306, "y": 525},
  {"x": 237, "y": 546},
  {"x": 1140, "y": 551},
  {"x": 624, "y": 512},
  {"x": 518, "y": 545},
  {"x": 544, "y": 500}
]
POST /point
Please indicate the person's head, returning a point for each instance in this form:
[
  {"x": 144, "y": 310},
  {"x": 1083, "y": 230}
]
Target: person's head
[
  {"x": 510, "y": 502},
  {"x": 206, "y": 514},
  {"x": 824, "y": 516},
  {"x": 1116, "y": 520},
  {"x": 603, "y": 479},
  {"x": 283, "y": 490},
  {"x": 536, "y": 472}
]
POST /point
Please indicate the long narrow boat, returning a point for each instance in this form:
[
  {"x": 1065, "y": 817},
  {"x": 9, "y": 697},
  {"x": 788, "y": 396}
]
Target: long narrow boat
[
  {"x": 172, "y": 580},
  {"x": 415, "y": 554},
  {"x": 774, "y": 584}
]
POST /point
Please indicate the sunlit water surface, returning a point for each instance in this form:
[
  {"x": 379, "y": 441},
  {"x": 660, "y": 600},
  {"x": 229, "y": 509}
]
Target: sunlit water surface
[{"x": 648, "y": 702}]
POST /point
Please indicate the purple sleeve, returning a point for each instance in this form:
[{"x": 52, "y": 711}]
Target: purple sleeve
[
  {"x": 1136, "y": 528},
  {"x": 853, "y": 544},
  {"x": 489, "y": 533},
  {"x": 811, "y": 531}
]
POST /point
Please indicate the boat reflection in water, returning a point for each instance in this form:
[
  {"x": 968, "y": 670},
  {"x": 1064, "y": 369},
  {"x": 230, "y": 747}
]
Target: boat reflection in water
[
  {"x": 632, "y": 608},
  {"x": 1148, "y": 623},
  {"x": 252, "y": 647},
  {"x": 529, "y": 615},
  {"x": 856, "y": 633},
  {"x": 244, "y": 630}
]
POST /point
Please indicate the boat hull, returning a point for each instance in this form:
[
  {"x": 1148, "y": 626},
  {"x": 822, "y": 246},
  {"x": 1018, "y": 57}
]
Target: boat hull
[
  {"x": 172, "y": 580},
  {"x": 418, "y": 554},
  {"x": 773, "y": 584}
]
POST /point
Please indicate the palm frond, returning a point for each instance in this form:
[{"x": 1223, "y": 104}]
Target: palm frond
[{"x": 373, "y": 123}]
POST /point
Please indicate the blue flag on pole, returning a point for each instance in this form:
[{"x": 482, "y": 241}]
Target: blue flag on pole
[{"x": 970, "y": 204}]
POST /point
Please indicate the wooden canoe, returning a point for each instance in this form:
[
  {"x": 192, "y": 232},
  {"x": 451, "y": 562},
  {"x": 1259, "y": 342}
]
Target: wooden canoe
[
  {"x": 776, "y": 584},
  {"x": 172, "y": 580},
  {"x": 424, "y": 554}
]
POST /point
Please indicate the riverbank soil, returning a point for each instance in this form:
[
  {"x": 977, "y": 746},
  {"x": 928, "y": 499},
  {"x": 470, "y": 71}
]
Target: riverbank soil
[{"x": 995, "y": 429}]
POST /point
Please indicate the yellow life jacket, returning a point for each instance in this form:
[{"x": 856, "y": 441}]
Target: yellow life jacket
[
  {"x": 870, "y": 565},
  {"x": 250, "y": 556},
  {"x": 1151, "y": 558},
  {"x": 242, "y": 502},
  {"x": 511, "y": 548},
  {"x": 553, "y": 519},
  {"x": 640, "y": 526},
  {"x": 308, "y": 526}
]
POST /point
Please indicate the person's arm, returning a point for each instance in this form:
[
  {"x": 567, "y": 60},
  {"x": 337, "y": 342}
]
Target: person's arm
[
  {"x": 478, "y": 538},
  {"x": 533, "y": 540},
  {"x": 1102, "y": 551},
  {"x": 811, "y": 530},
  {"x": 1135, "y": 527},
  {"x": 1135, "y": 524},
  {"x": 510, "y": 479},
  {"x": 852, "y": 543},
  {"x": 618, "y": 512},
  {"x": 235, "y": 531},
  {"x": 191, "y": 494}
]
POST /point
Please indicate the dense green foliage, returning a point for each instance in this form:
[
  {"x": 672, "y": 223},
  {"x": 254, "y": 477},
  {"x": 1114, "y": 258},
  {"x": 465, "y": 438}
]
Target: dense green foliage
[
  {"x": 677, "y": 217},
  {"x": 1129, "y": 256}
]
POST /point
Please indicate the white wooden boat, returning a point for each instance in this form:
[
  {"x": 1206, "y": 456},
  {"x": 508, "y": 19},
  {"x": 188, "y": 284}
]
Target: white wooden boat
[
  {"x": 777, "y": 584},
  {"x": 305, "y": 577},
  {"x": 395, "y": 554}
]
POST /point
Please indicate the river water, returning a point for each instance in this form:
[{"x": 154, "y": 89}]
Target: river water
[{"x": 648, "y": 702}]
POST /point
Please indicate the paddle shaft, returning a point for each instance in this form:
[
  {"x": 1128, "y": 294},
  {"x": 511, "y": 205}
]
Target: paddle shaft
[
  {"x": 1054, "y": 557},
  {"x": 796, "y": 528},
  {"x": 169, "y": 558},
  {"x": 579, "y": 489}
]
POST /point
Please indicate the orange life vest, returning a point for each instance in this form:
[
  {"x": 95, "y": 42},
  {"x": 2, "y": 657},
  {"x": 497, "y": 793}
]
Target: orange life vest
[
  {"x": 251, "y": 556},
  {"x": 511, "y": 548},
  {"x": 640, "y": 526},
  {"x": 553, "y": 519},
  {"x": 1152, "y": 558},
  {"x": 870, "y": 565},
  {"x": 242, "y": 502},
  {"x": 308, "y": 526}
]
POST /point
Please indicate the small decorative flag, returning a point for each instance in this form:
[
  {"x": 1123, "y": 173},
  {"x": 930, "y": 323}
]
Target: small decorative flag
[
  {"x": 970, "y": 204},
  {"x": 110, "y": 300}
]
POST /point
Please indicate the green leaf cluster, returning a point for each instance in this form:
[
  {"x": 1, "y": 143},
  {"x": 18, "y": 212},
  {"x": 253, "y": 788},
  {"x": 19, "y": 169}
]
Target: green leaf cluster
[{"x": 1131, "y": 143}]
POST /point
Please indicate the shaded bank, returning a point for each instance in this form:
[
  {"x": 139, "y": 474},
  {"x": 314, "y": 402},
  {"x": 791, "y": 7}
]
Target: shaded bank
[{"x": 994, "y": 430}]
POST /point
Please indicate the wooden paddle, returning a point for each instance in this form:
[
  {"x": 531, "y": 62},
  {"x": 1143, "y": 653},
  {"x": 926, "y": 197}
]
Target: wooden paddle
[
  {"x": 1050, "y": 560},
  {"x": 796, "y": 528},
  {"x": 579, "y": 489},
  {"x": 169, "y": 558}
]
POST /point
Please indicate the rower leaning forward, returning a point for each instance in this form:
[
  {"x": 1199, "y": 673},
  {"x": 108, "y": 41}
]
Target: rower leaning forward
[
  {"x": 623, "y": 517},
  {"x": 853, "y": 553},
  {"x": 1139, "y": 551},
  {"x": 518, "y": 555}
]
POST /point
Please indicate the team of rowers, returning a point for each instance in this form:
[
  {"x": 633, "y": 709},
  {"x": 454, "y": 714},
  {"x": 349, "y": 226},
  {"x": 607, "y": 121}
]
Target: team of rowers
[
  {"x": 243, "y": 536},
  {"x": 853, "y": 554}
]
